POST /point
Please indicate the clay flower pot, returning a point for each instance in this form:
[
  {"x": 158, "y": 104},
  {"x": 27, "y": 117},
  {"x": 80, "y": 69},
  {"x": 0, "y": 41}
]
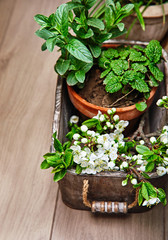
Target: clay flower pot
[
  {"x": 90, "y": 110},
  {"x": 154, "y": 27}
]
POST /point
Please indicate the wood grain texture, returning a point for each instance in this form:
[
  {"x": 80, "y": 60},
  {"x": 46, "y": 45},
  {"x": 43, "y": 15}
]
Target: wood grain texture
[
  {"x": 28, "y": 196},
  {"x": 27, "y": 85},
  {"x": 84, "y": 225}
]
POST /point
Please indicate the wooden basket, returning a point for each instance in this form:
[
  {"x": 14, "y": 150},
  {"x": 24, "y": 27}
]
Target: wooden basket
[{"x": 103, "y": 192}]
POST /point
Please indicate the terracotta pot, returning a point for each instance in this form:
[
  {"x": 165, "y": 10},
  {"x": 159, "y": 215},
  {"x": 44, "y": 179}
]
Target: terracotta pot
[
  {"x": 154, "y": 27},
  {"x": 90, "y": 110}
]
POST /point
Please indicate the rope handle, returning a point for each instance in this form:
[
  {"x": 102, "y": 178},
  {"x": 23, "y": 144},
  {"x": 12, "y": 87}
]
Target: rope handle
[{"x": 103, "y": 206}]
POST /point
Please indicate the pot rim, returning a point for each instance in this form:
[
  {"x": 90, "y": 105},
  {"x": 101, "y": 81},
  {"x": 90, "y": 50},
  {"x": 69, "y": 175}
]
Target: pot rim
[
  {"x": 154, "y": 11},
  {"x": 96, "y": 107}
]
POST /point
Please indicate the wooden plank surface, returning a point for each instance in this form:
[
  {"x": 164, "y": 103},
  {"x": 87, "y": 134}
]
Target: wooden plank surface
[
  {"x": 29, "y": 208},
  {"x": 27, "y": 95}
]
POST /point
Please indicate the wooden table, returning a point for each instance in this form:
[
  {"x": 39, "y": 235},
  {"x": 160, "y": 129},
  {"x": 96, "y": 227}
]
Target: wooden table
[{"x": 30, "y": 203}]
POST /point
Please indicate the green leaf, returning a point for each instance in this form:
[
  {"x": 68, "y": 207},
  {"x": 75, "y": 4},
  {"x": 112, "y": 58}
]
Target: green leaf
[
  {"x": 141, "y": 106},
  {"x": 80, "y": 76},
  {"x": 43, "y": 47},
  {"x": 153, "y": 82},
  {"x": 52, "y": 160},
  {"x": 45, "y": 34},
  {"x": 119, "y": 65},
  {"x": 110, "y": 53},
  {"x": 79, "y": 51},
  {"x": 89, "y": 3},
  {"x": 62, "y": 66},
  {"x": 57, "y": 145},
  {"x": 151, "y": 190},
  {"x": 149, "y": 167},
  {"x": 111, "y": 77},
  {"x": 87, "y": 34},
  {"x": 141, "y": 149},
  {"x": 136, "y": 56},
  {"x": 59, "y": 175},
  {"x": 128, "y": 77},
  {"x": 145, "y": 175},
  {"x": 50, "y": 43},
  {"x": 97, "y": 23},
  {"x": 103, "y": 62},
  {"x": 120, "y": 26},
  {"x": 162, "y": 195},
  {"x": 61, "y": 16},
  {"x": 140, "y": 197},
  {"x": 127, "y": 8},
  {"x": 78, "y": 169},
  {"x": 71, "y": 79},
  {"x": 95, "y": 50},
  {"x": 41, "y": 19},
  {"x": 154, "y": 51},
  {"x": 139, "y": 15},
  {"x": 90, "y": 123},
  {"x": 139, "y": 67},
  {"x": 113, "y": 86},
  {"x": 137, "y": 185},
  {"x": 145, "y": 192},
  {"x": 103, "y": 74},
  {"x": 45, "y": 165},
  {"x": 139, "y": 84},
  {"x": 109, "y": 17},
  {"x": 68, "y": 157},
  {"x": 159, "y": 76},
  {"x": 147, "y": 95}
]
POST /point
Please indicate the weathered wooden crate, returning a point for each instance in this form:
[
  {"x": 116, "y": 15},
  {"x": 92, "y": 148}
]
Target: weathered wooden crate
[{"x": 105, "y": 188}]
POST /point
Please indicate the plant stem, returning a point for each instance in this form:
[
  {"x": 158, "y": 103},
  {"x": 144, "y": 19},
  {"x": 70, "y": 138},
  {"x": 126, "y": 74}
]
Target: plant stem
[{"x": 121, "y": 98}]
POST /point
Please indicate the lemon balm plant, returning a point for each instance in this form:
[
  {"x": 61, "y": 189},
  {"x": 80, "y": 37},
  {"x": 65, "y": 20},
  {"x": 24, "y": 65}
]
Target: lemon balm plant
[
  {"x": 78, "y": 28},
  {"x": 98, "y": 145}
]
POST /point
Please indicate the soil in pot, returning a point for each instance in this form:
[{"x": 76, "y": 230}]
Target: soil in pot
[{"x": 95, "y": 93}]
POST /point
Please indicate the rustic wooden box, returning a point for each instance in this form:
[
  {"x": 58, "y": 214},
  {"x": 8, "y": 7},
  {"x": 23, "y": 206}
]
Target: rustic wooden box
[{"x": 106, "y": 186}]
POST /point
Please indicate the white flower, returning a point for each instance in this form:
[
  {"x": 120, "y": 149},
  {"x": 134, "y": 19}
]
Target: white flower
[
  {"x": 98, "y": 115},
  {"x": 111, "y": 164},
  {"x": 109, "y": 111},
  {"x": 105, "y": 127},
  {"x": 113, "y": 153},
  {"x": 151, "y": 201},
  {"x": 142, "y": 168},
  {"x": 141, "y": 142},
  {"x": 102, "y": 118},
  {"x": 113, "y": 110},
  {"x": 165, "y": 97},
  {"x": 84, "y": 140},
  {"x": 161, "y": 171},
  {"x": 108, "y": 124},
  {"x": 165, "y": 128},
  {"x": 121, "y": 125},
  {"x": 91, "y": 133},
  {"x": 166, "y": 151},
  {"x": 74, "y": 119},
  {"x": 84, "y": 128},
  {"x": 123, "y": 165},
  {"x": 164, "y": 138},
  {"x": 124, "y": 182},
  {"x": 116, "y": 118},
  {"x": 76, "y": 148},
  {"x": 160, "y": 102},
  {"x": 76, "y": 136},
  {"x": 134, "y": 181},
  {"x": 106, "y": 145},
  {"x": 76, "y": 142},
  {"x": 139, "y": 161},
  {"x": 153, "y": 140},
  {"x": 165, "y": 160}
]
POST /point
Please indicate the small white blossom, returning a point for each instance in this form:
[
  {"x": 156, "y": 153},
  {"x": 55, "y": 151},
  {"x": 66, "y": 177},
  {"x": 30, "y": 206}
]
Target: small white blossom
[
  {"x": 165, "y": 128},
  {"x": 166, "y": 151},
  {"x": 134, "y": 181},
  {"x": 150, "y": 202},
  {"x": 113, "y": 110},
  {"x": 76, "y": 136},
  {"x": 116, "y": 118},
  {"x": 102, "y": 118},
  {"x": 164, "y": 138},
  {"x": 165, "y": 97},
  {"x": 111, "y": 165},
  {"x": 105, "y": 127},
  {"x": 74, "y": 119},
  {"x": 161, "y": 171},
  {"x": 76, "y": 143},
  {"x": 160, "y": 102},
  {"x": 91, "y": 133},
  {"x": 153, "y": 140},
  {"x": 98, "y": 115},
  {"x": 108, "y": 124},
  {"x": 84, "y": 140},
  {"x": 124, "y": 182},
  {"x": 123, "y": 165},
  {"x": 109, "y": 111},
  {"x": 84, "y": 128},
  {"x": 141, "y": 142}
]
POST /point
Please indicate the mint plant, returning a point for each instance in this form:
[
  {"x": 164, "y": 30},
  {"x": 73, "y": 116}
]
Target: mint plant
[
  {"x": 132, "y": 68},
  {"x": 78, "y": 28}
]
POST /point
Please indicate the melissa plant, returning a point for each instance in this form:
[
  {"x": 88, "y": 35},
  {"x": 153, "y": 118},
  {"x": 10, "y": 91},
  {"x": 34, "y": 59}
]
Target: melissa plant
[
  {"x": 132, "y": 69},
  {"x": 98, "y": 144},
  {"x": 78, "y": 28}
]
